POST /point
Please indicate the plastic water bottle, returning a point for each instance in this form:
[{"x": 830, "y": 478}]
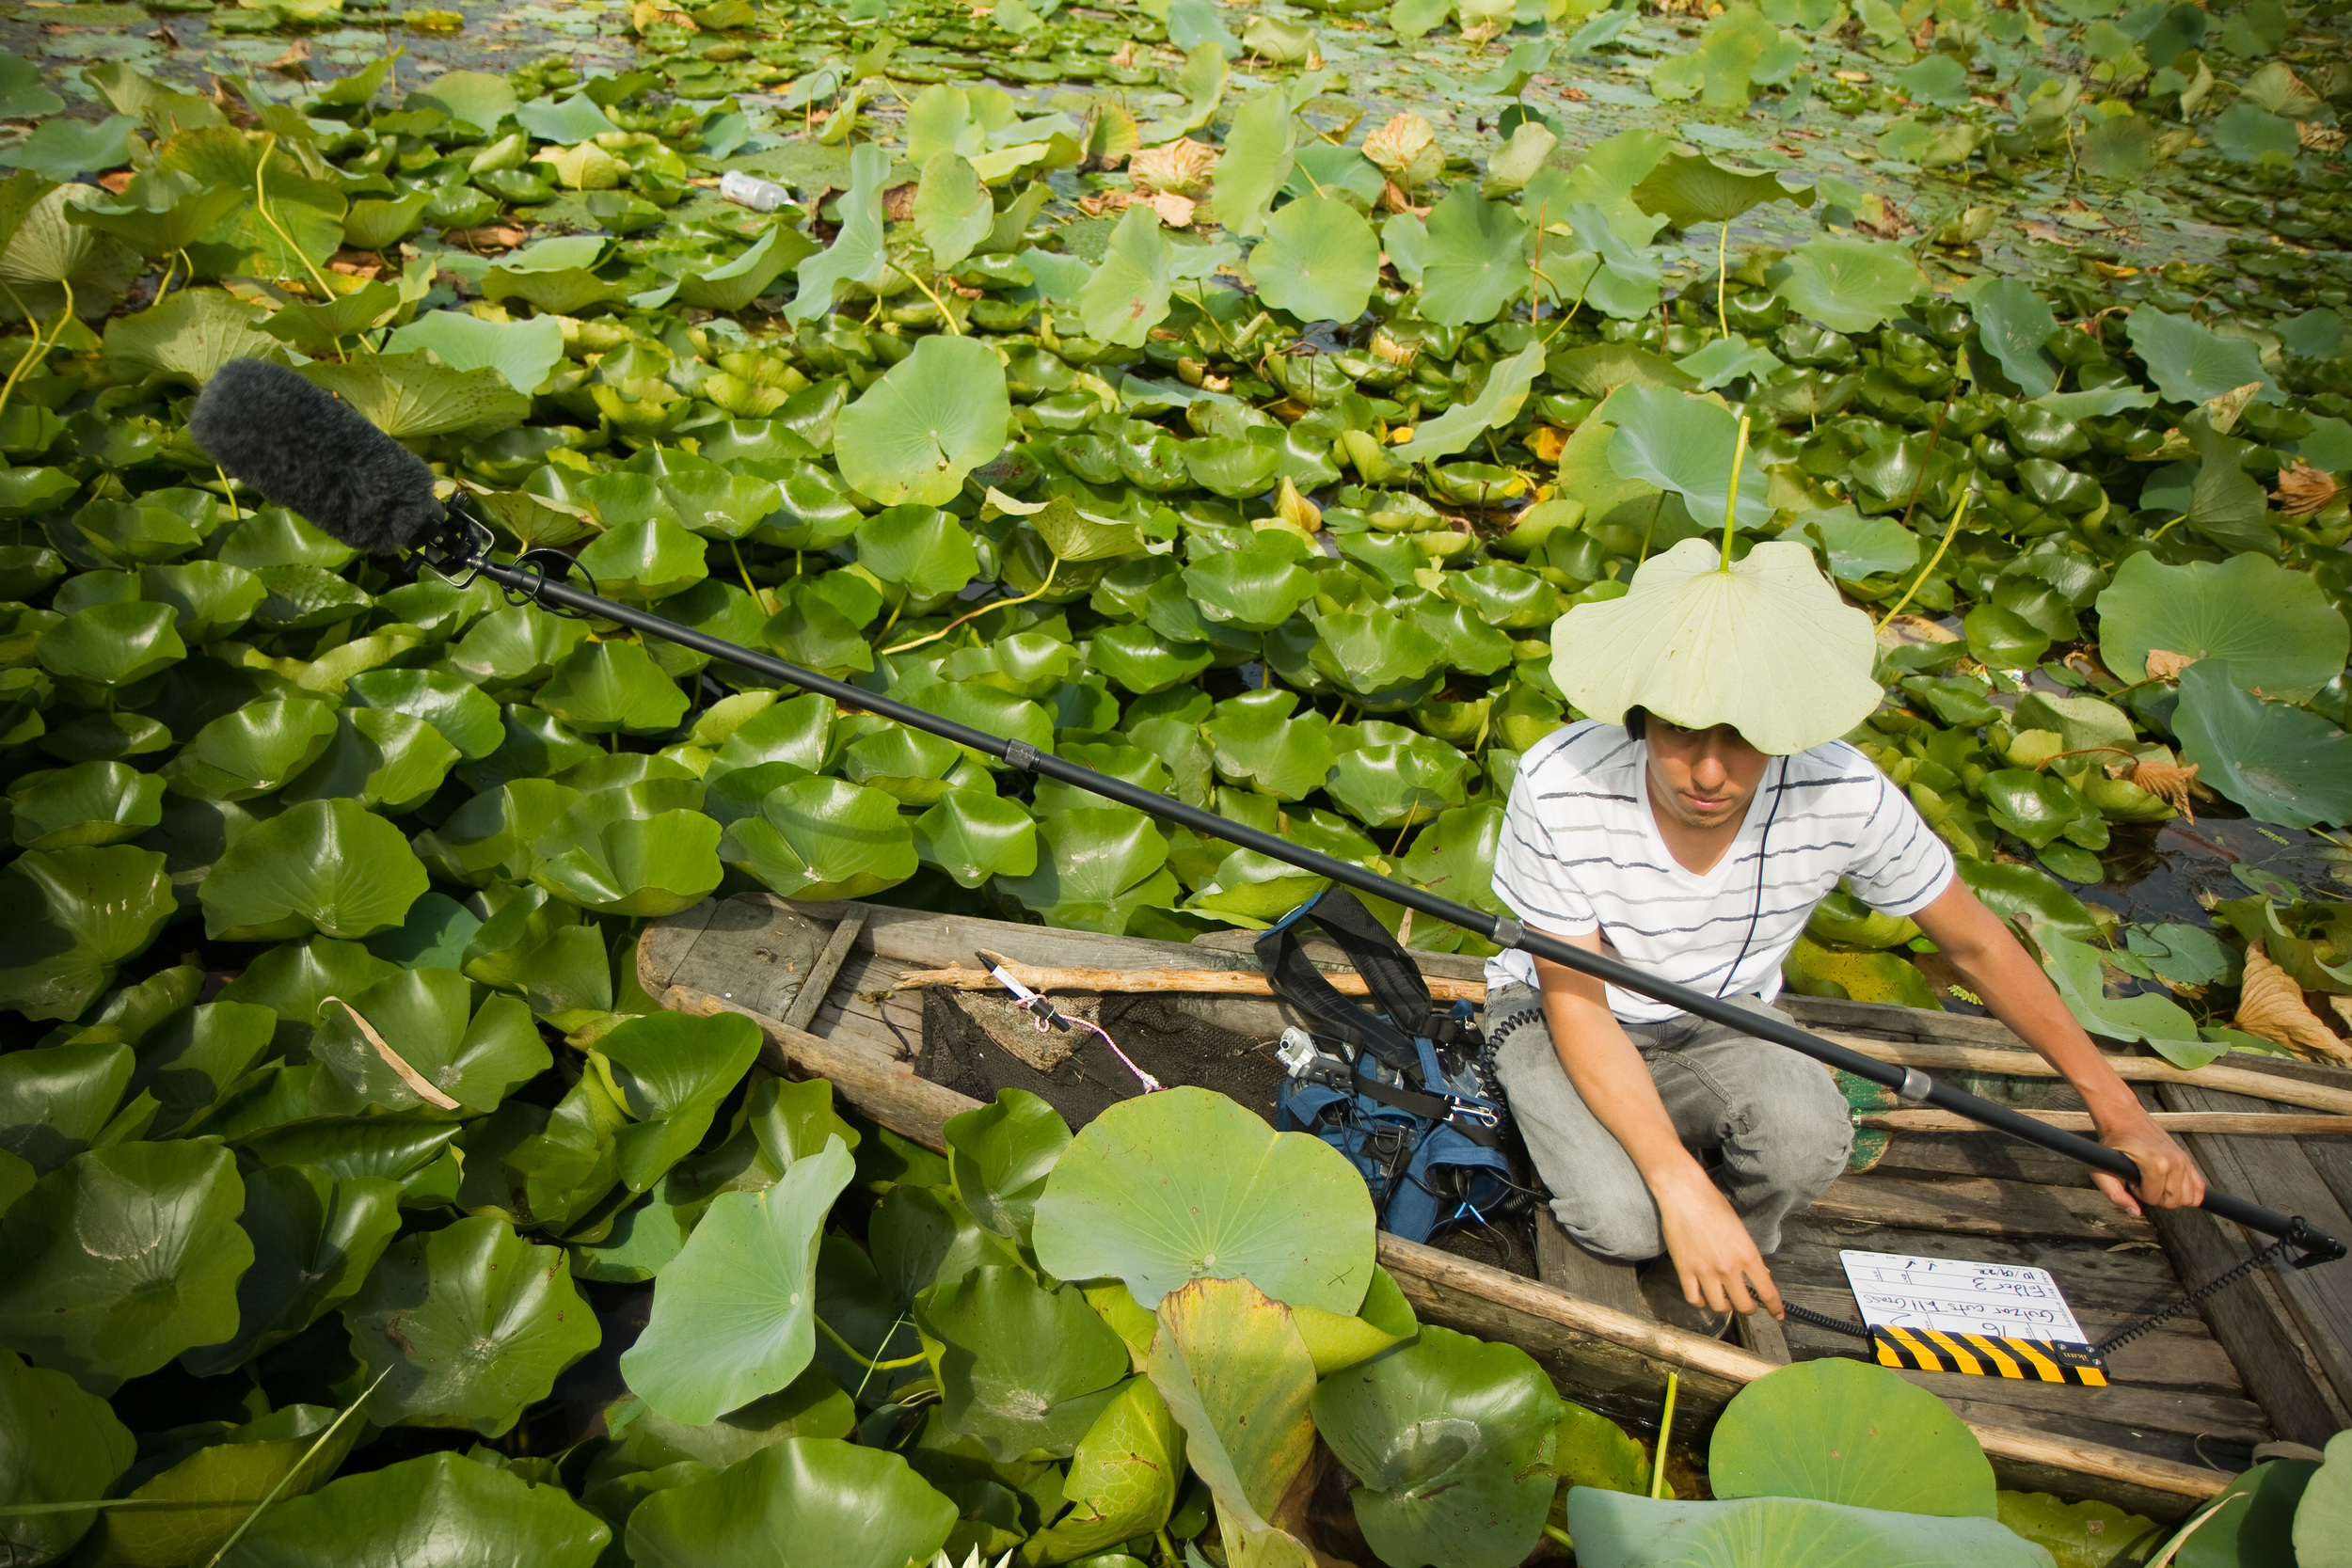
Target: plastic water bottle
[{"x": 750, "y": 190}]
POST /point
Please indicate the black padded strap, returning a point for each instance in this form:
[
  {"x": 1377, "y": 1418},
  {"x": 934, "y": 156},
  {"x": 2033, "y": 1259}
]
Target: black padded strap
[{"x": 1396, "y": 985}]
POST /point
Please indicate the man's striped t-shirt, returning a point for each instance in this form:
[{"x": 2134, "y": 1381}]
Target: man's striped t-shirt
[{"x": 1581, "y": 850}]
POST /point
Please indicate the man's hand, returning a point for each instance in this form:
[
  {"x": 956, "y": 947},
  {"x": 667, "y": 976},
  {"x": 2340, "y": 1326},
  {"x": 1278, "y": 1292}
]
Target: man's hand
[
  {"x": 1713, "y": 1254},
  {"x": 2168, "y": 1178}
]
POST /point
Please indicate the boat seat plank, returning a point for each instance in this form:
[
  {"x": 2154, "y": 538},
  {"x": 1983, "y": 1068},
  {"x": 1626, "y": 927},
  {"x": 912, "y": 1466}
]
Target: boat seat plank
[
  {"x": 1980, "y": 1206},
  {"x": 1980, "y": 1154}
]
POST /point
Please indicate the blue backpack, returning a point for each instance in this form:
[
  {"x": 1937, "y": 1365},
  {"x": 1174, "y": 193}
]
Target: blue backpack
[{"x": 1399, "y": 1088}]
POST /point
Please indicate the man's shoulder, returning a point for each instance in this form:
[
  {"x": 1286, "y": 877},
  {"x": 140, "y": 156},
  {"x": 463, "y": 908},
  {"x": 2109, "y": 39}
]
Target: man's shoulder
[
  {"x": 1832, "y": 775},
  {"x": 1586, "y": 760}
]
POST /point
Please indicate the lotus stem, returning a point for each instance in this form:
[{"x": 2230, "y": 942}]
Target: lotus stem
[
  {"x": 42, "y": 342},
  {"x": 861, "y": 1357},
  {"x": 1665, "y": 1430},
  {"x": 1934, "y": 436},
  {"x": 227, "y": 493},
  {"x": 271, "y": 1495},
  {"x": 1043, "y": 590},
  {"x": 261, "y": 205},
  {"x": 758, "y": 597},
  {"x": 1556, "y": 1533},
  {"x": 1731, "y": 503},
  {"x": 1723, "y": 277},
  {"x": 954, "y": 327},
  {"x": 1960, "y": 514}
]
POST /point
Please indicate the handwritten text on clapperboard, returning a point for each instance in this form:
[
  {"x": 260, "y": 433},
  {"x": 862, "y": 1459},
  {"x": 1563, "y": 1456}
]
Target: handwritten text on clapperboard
[{"x": 1956, "y": 1296}]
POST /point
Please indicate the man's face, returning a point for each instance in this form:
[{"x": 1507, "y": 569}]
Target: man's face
[{"x": 1702, "y": 778}]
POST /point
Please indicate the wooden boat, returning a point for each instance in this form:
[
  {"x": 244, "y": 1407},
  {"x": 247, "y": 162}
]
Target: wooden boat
[{"x": 2188, "y": 1405}]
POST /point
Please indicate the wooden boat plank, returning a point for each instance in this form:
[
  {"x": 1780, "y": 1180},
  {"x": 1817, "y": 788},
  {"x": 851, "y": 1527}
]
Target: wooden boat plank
[
  {"x": 1980, "y": 1206},
  {"x": 1980, "y": 1154},
  {"x": 2128, "y": 1282},
  {"x": 2278, "y": 1174},
  {"x": 2334, "y": 1160},
  {"x": 820, "y": 974}
]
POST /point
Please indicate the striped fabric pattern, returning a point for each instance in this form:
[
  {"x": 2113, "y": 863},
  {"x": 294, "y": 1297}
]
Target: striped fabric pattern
[{"x": 1581, "y": 850}]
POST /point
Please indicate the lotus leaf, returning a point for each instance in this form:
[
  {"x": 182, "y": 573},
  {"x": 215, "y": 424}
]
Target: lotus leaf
[
  {"x": 1453, "y": 1440},
  {"x": 1319, "y": 260},
  {"x": 1474, "y": 260},
  {"x": 670, "y": 1071},
  {"x": 1849, "y": 285},
  {"x": 1254, "y": 166},
  {"x": 1023, "y": 1367},
  {"x": 315, "y": 1236},
  {"x": 952, "y": 208},
  {"x": 2013, "y": 323},
  {"x": 57, "y": 1101},
  {"x": 2253, "y": 1518},
  {"x": 1766, "y": 647},
  {"x": 2191, "y": 363},
  {"x": 823, "y": 838},
  {"x": 610, "y": 688},
  {"x": 732, "y": 1315},
  {"x": 1612, "y": 1529},
  {"x": 2282, "y": 763},
  {"x": 323, "y": 865},
  {"x": 2089, "y": 1534},
  {"x": 378, "y": 757},
  {"x": 441, "y": 1511},
  {"x": 1844, "y": 1431},
  {"x": 1123, "y": 1478},
  {"x": 1187, "y": 1185},
  {"x": 472, "y": 1321},
  {"x": 413, "y": 395},
  {"x": 523, "y": 351},
  {"x": 936, "y": 415},
  {"x": 809, "y": 1502},
  {"x": 188, "y": 1062},
  {"x": 2272, "y": 625},
  {"x": 1127, "y": 294},
  {"x": 57, "y": 1445},
  {"x": 91, "y": 803},
  {"x": 197, "y": 1504},
  {"x": 1239, "y": 1380},
  {"x": 648, "y": 865},
  {"x": 2323, "y": 1520},
  {"x": 112, "y": 645},
  {"x": 123, "y": 1257},
  {"x": 1689, "y": 190},
  {"x": 1683, "y": 443},
  {"x": 1497, "y": 402},
  {"x": 856, "y": 254},
  {"x": 1262, "y": 741},
  {"x": 76, "y": 915},
  {"x": 1097, "y": 866},
  {"x": 734, "y": 284},
  {"x": 427, "y": 1019}
]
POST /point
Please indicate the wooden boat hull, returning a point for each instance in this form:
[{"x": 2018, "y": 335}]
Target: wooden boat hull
[{"x": 820, "y": 982}]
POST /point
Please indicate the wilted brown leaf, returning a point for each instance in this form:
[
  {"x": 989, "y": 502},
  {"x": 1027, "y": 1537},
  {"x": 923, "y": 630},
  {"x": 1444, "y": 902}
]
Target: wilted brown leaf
[
  {"x": 898, "y": 202},
  {"x": 2223, "y": 410},
  {"x": 2171, "y": 782},
  {"x": 2271, "y": 1007},
  {"x": 2316, "y": 138},
  {"x": 1406, "y": 151},
  {"x": 1181, "y": 167},
  {"x": 2165, "y": 665},
  {"x": 2303, "y": 489}
]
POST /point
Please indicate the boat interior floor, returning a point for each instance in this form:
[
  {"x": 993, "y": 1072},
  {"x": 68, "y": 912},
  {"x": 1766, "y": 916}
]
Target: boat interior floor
[{"x": 2269, "y": 1359}]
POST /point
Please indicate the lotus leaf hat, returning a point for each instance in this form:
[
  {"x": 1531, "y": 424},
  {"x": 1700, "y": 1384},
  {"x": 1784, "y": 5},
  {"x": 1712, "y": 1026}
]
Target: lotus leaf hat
[{"x": 1766, "y": 647}]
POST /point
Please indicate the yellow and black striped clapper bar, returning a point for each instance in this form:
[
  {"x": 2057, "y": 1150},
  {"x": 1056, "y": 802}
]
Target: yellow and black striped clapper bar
[{"x": 1928, "y": 1349}]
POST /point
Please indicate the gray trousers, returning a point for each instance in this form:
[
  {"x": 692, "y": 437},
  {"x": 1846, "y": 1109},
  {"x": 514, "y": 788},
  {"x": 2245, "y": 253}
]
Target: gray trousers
[{"x": 1778, "y": 1118}]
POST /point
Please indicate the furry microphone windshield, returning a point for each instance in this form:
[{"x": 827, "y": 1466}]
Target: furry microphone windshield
[{"x": 315, "y": 455}]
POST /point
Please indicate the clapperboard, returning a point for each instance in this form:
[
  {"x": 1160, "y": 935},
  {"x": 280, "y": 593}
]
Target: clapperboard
[{"x": 1988, "y": 1320}]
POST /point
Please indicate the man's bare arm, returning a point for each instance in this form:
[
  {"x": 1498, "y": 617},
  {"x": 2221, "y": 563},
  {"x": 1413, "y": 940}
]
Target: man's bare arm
[
  {"x": 1713, "y": 1253},
  {"x": 2020, "y": 995}
]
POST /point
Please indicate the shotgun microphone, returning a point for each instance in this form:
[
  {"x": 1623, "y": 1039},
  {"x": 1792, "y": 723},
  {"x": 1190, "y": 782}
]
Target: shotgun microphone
[{"x": 306, "y": 451}]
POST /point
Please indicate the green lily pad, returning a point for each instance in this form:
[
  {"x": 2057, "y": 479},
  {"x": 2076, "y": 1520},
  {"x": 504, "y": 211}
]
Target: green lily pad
[
  {"x": 1849, "y": 285},
  {"x": 442, "y": 1510},
  {"x": 523, "y": 351},
  {"x": 734, "y": 1314},
  {"x": 834, "y": 1504},
  {"x": 123, "y": 1257},
  {"x": 1319, "y": 261},
  {"x": 315, "y": 1237},
  {"x": 1842, "y": 1432},
  {"x": 75, "y": 916},
  {"x": 2270, "y": 624},
  {"x": 472, "y": 1321},
  {"x": 2191, "y": 363},
  {"x": 1024, "y": 1368},
  {"x": 1683, "y": 443},
  {"x": 2325, "y": 1514},
  {"x": 670, "y": 1071},
  {"x": 1127, "y": 294},
  {"x": 2283, "y": 765},
  {"x": 823, "y": 838},
  {"x": 1453, "y": 1439},
  {"x": 325, "y": 866},
  {"x": 58, "y": 1443},
  {"x": 1096, "y": 867},
  {"x": 1238, "y": 1379},
  {"x": 1123, "y": 1478},
  {"x": 1614, "y": 1529},
  {"x": 936, "y": 415},
  {"x": 1187, "y": 1185},
  {"x": 1473, "y": 263}
]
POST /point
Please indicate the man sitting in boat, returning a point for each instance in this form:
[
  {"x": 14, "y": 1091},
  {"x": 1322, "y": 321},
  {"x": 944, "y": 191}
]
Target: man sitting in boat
[{"x": 1688, "y": 827}]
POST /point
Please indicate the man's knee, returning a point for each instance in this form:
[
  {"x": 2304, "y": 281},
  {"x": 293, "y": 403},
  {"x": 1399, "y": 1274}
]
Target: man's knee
[
  {"x": 1800, "y": 1130},
  {"x": 1622, "y": 1228}
]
